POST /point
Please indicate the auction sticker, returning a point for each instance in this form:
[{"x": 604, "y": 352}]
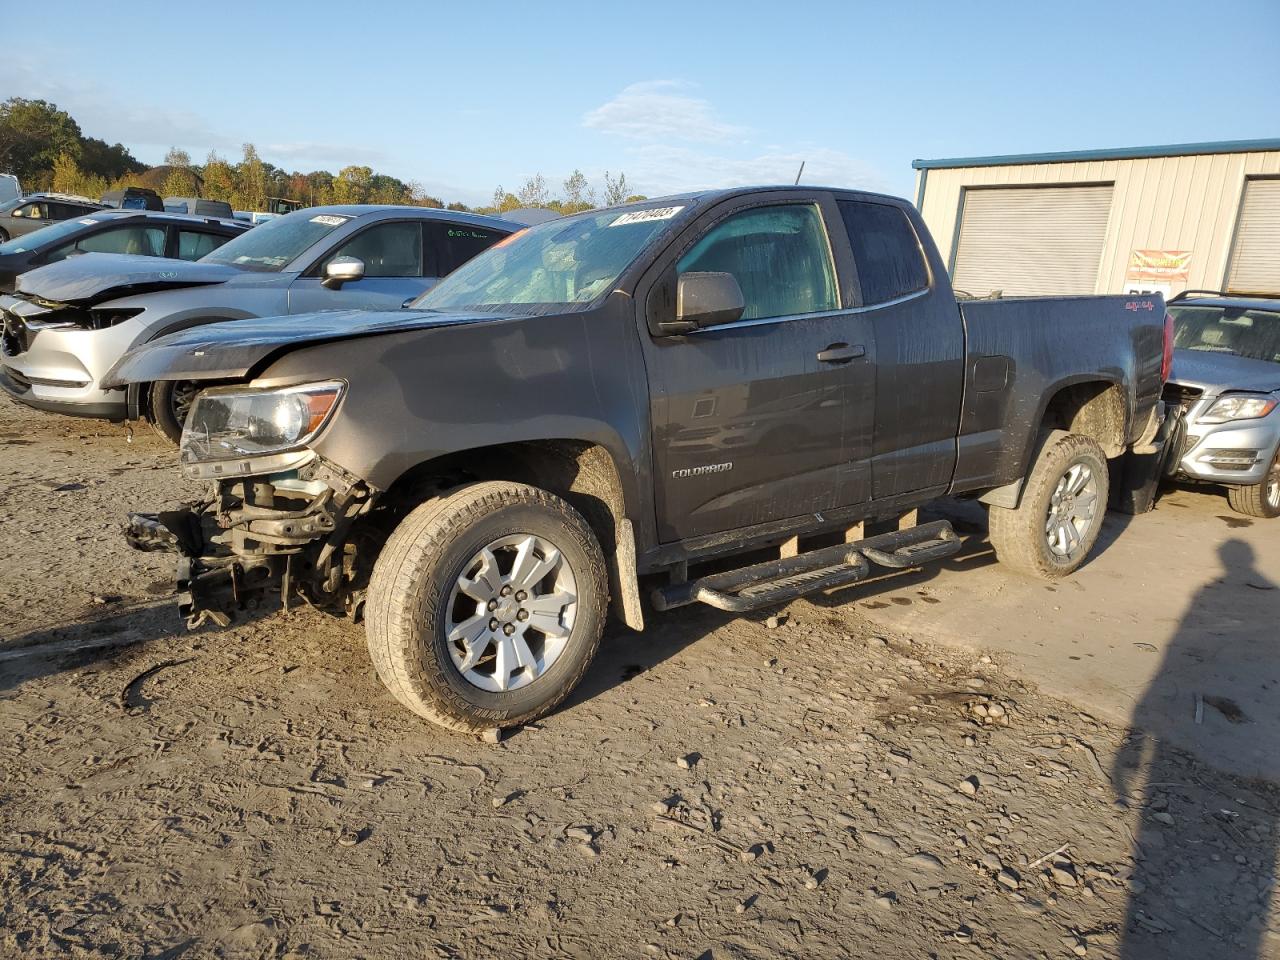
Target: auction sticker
[
  {"x": 329, "y": 221},
  {"x": 644, "y": 216}
]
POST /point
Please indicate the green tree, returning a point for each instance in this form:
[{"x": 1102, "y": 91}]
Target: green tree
[
  {"x": 108, "y": 162},
  {"x": 534, "y": 193},
  {"x": 503, "y": 201},
  {"x": 578, "y": 195},
  {"x": 616, "y": 190},
  {"x": 179, "y": 183},
  {"x": 419, "y": 197},
  {"x": 459, "y": 206},
  {"x": 33, "y": 134},
  {"x": 177, "y": 157},
  {"x": 66, "y": 174},
  {"x": 219, "y": 180},
  {"x": 352, "y": 184},
  {"x": 251, "y": 181}
]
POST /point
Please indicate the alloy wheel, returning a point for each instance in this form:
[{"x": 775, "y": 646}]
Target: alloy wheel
[
  {"x": 511, "y": 612},
  {"x": 1073, "y": 510}
]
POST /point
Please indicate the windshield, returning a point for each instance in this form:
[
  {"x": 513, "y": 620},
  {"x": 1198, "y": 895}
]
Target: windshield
[
  {"x": 11, "y": 205},
  {"x": 561, "y": 264},
  {"x": 272, "y": 246},
  {"x": 37, "y": 239},
  {"x": 1254, "y": 334}
]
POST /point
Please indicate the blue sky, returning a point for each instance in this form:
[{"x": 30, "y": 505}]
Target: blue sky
[{"x": 464, "y": 96}]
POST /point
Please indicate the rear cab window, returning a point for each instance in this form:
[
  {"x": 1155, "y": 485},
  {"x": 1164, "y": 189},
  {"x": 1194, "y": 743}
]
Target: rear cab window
[{"x": 886, "y": 251}]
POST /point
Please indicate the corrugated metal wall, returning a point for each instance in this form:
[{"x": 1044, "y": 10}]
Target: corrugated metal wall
[{"x": 1159, "y": 203}]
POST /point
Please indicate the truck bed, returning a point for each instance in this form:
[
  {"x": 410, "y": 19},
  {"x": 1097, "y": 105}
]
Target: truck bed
[{"x": 1019, "y": 351}]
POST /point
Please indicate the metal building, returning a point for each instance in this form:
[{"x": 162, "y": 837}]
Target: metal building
[{"x": 1135, "y": 219}]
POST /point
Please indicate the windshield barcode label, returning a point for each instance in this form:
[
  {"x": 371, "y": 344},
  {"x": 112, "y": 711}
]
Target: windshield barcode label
[{"x": 644, "y": 216}]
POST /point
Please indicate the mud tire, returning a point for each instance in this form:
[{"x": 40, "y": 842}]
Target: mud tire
[
  {"x": 1018, "y": 534},
  {"x": 410, "y": 588}
]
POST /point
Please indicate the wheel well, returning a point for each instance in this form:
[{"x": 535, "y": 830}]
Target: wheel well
[
  {"x": 582, "y": 473},
  {"x": 1095, "y": 409}
]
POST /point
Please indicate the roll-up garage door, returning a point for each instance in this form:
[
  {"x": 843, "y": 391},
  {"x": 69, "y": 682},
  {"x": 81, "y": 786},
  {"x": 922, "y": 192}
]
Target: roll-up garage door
[
  {"x": 1255, "y": 258},
  {"x": 1031, "y": 241}
]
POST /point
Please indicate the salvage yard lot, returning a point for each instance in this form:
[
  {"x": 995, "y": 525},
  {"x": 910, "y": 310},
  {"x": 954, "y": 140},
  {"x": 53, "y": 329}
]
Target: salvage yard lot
[{"x": 937, "y": 764}]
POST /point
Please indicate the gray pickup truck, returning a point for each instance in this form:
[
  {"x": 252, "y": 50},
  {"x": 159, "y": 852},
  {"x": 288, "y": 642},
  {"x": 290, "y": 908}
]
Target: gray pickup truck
[{"x": 620, "y": 397}]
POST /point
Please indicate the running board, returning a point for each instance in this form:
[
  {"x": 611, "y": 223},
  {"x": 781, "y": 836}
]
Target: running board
[{"x": 780, "y": 581}]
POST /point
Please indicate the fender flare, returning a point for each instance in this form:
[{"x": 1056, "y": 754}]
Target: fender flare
[{"x": 135, "y": 393}]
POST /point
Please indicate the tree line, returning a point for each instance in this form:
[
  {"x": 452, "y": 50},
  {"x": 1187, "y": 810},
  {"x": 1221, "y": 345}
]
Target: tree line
[{"x": 45, "y": 148}]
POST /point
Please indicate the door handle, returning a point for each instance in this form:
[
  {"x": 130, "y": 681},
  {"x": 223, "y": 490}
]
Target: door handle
[{"x": 841, "y": 353}]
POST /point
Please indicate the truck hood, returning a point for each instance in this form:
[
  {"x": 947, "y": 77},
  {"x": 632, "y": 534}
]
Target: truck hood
[
  {"x": 230, "y": 350},
  {"x": 91, "y": 278},
  {"x": 1215, "y": 373}
]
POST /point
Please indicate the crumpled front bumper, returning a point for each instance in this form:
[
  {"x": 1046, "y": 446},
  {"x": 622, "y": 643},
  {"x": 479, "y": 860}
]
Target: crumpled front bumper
[
  {"x": 210, "y": 587},
  {"x": 57, "y": 367},
  {"x": 249, "y": 544}
]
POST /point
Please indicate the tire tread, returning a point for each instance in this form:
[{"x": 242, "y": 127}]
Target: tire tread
[{"x": 401, "y": 651}]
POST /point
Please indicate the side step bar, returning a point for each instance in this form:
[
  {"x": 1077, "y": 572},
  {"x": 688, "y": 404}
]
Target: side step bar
[{"x": 780, "y": 581}]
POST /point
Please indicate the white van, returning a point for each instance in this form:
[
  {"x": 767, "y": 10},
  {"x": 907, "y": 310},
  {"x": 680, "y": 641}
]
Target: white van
[{"x": 10, "y": 189}]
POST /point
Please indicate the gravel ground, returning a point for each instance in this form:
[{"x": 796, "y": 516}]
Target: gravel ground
[{"x": 718, "y": 787}]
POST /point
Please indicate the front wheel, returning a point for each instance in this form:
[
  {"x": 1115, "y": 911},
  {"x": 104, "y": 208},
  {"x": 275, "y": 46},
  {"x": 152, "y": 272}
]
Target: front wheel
[
  {"x": 168, "y": 404},
  {"x": 486, "y": 606},
  {"x": 1259, "y": 499},
  {"x": 1051, "y": 531}
]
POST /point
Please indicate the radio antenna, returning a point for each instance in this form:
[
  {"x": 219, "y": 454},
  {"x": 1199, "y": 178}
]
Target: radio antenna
[{"x": 799, "y": 173}]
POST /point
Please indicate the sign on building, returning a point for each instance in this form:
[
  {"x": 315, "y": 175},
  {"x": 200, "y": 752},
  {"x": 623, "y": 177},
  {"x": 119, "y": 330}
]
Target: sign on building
[{"x": 1157, "y": 271}]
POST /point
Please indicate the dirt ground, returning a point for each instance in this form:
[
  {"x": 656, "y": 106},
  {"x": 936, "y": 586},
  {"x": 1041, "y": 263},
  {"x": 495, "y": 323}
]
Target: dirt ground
[{"x": 869, "y": 778}]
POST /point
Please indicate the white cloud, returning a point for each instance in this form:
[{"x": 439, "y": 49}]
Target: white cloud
[
  {"x": 680, "y": 144},
  {"x": 657, "y": 110},
  {"x": 311, "y": 155}
]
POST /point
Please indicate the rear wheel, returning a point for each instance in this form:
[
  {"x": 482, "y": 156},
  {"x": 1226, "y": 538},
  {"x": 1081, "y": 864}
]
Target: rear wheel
[
  {"x": 169, "y": 402},
  {"x": 1259, "y": 499},
  {"x": 1051, "y": 531},
  {"x": 486, "y": 606}
]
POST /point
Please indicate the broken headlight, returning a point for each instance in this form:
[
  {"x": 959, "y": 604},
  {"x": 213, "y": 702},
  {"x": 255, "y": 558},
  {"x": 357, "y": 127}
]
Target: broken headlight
[{"x": 237, "y": 431}]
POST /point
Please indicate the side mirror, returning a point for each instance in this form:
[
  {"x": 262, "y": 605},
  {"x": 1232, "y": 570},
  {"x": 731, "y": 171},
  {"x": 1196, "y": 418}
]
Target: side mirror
[
  {"x": 342, "y": 270},
  {"x": 707, "y": 300}
]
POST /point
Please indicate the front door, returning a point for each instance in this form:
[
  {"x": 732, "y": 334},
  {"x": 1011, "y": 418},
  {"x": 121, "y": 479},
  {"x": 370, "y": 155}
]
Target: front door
[
  {"x": 393, "y": 271},
  {"x": 750, "y": 418}
]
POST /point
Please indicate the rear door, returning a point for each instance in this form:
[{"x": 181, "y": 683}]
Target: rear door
[
  {"x": 919, "y": 337},
  {"x": 394, "y": 271},
  {"x": 749, "y": 424}
]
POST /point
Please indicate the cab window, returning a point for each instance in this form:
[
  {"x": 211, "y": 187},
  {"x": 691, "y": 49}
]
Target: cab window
[
  {"x": 388, "y": 250},
  {"x": 885, "y": 250},
  {"x": 779, "y": 255}
]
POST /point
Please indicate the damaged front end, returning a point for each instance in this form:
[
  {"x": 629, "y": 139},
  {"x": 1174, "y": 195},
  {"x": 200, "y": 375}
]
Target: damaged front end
[
  {"x": 287, "y": 533},
  {"x": 280, "y": 517}
]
